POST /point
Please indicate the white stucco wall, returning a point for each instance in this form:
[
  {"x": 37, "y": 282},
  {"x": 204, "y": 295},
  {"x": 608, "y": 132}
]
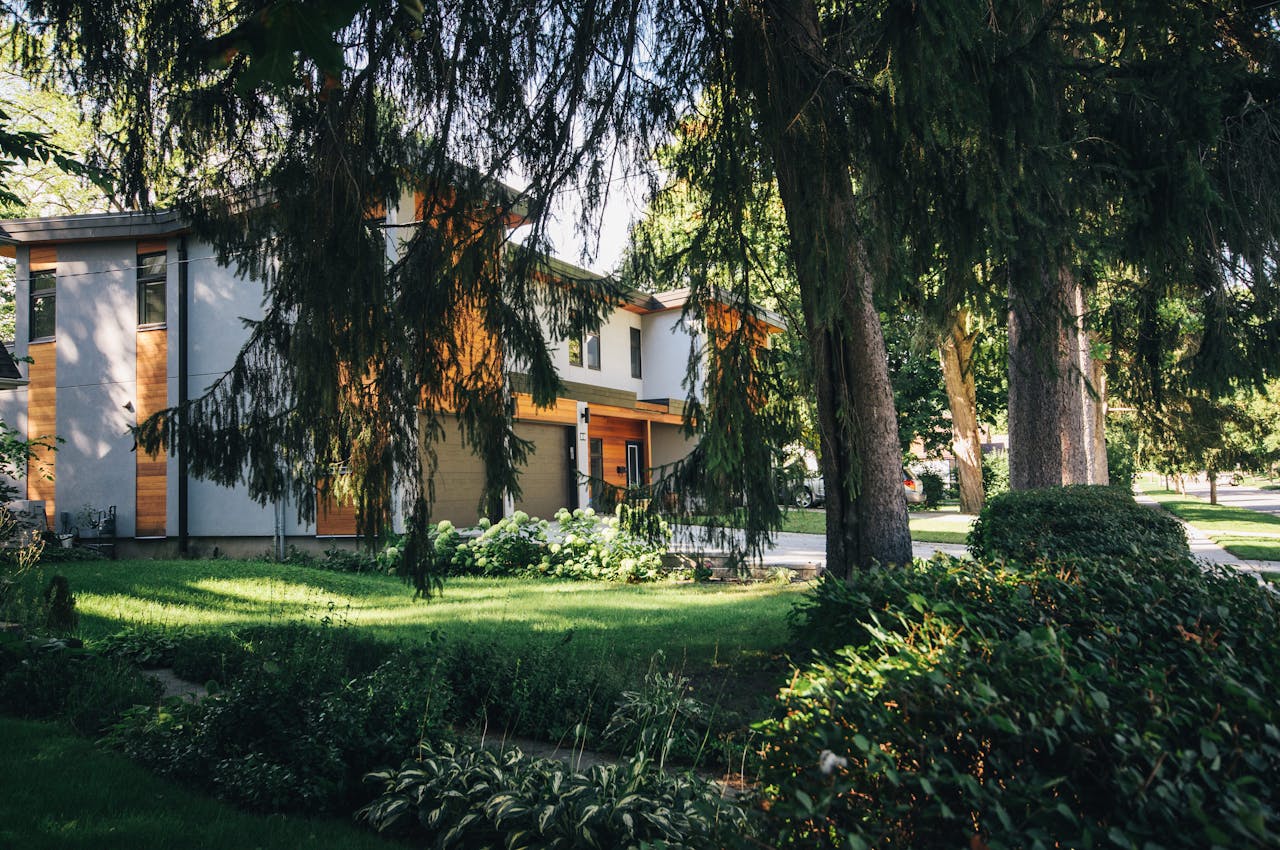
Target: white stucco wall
[
  {"x": 667, "y": 347},
  {"x": 96, "y": 325}
]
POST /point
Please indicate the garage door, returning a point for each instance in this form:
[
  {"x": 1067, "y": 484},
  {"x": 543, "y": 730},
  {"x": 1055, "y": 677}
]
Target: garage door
[
  {"x": 546, "y": 481},
  {"x": 459, "y": 478}
]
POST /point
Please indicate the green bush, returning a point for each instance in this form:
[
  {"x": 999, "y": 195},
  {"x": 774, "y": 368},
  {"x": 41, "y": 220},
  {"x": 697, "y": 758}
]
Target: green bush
[
  {"x": 42, "y": 678},
  {"x": 511, "y": 546},
  {"x": 1108, "y": 702},
  {"x": 932, "y": 486},
  {"x": 543, "y": 691},
  {"x": 995, "y": 473},
  {"x": 297, "y": 724},
  {"x": 467, "y": 797},
  {"x": 1078, "y": 521}
]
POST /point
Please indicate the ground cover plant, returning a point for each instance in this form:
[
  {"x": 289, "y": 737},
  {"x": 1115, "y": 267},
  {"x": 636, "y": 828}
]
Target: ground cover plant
[
  {"x": 1080, "y": 702},
  {"x": 1097, "y": 695},
  {"x": 58, "y": 791}
]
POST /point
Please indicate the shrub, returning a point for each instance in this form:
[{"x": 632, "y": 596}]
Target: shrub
[
  {"x": 467, "y": 797},
  {"x": 1077, "y": 521},
  {"x": 627, "y": 546},
  {"x": 995, "y": 473},
  {"x": 49, "y": 679},
  {"x": 298, "y": 723},
  {"x": 1105, "y": 702},
  {"x": 661, "y": 718},
  {"x": 60, "y": 606},
  {"x": 543, "y": 691},
  {"x": 932, "y": 486},
  {"x": 510, "y": 546}
]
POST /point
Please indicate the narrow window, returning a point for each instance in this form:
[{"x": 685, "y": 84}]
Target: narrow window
[
  {"x": 636, "y": 366},
  {"x": 593, "y": 351},
  {"x": 575, "y": 352},
  {"x": 43, "y": 292},
  {"x": 635, "y": 472},
  {"x": 152, "y": 270}
]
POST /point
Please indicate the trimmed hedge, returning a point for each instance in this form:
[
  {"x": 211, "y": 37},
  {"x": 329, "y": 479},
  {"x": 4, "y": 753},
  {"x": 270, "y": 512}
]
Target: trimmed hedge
[
  {"x": 1080, "y": 521},
  {"x": 1106, "y": 702}
]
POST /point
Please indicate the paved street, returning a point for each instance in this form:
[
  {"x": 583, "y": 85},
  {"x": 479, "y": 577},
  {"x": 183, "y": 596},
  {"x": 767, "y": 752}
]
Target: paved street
[{"x": 1263, "y": 501}]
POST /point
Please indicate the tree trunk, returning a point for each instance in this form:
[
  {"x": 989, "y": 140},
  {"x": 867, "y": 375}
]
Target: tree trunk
[
  {"x": 1096, "y": 399},
  {"x": 801, "y": 119},
  {"x": 955, "y": 351},
  {"x": 1047, "y": 445},
  {"x": 1212, "y": 475}
]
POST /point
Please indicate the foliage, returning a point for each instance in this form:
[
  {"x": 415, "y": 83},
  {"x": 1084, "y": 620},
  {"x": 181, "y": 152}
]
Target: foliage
[
  {"x": 60, "y": 606},
  {"x": 48, "y": 679},
  {"x": 585, "y": 546},
  {"x": 932, "y": 486},
  {"x": 661, "y": 718},
  {"x": 1114, "y": 700},
  {"x": 295, "y": 726},
  {"x": 61, "y": 791},
  {"x": 995, "y": 473},
  {"x": 459, "y": 796},
  {"x": 535, "y": 688},
  {"x": 1073, "y": 522}
]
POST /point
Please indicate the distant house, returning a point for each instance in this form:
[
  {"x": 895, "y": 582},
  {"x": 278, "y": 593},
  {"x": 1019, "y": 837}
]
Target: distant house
[{"x": 100, "y": 303}]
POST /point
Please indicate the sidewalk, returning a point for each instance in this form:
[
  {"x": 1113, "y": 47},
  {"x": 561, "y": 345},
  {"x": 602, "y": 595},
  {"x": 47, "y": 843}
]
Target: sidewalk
[
  {"x": 791, "y": 549},
  {"x": 1205, "y": 549}
]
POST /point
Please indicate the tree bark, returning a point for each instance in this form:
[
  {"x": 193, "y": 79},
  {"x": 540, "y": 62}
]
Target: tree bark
[
  {"x": 1096, "y": 410},
  {"x": 801, "y": 118},
  {"x": 1212, "y": 475},
  {"x": 955, "y": 351},
  {"x": 1047, "y": 441}
]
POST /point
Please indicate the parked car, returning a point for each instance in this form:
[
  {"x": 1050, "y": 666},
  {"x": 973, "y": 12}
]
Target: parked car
[{"x": 813, "y": 491}]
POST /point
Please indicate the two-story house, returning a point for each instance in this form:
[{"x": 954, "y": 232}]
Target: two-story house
[{"x": 125, "y": 314}]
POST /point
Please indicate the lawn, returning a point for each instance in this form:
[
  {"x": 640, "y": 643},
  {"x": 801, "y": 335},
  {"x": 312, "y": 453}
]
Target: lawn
[
  {"x": 59, "y": 791},
  {"x": 699, "y": 623},
  {"x": 940, "y": 526},
  {"x": 1246, "y": 534},
  {"x": 1250, "y": 548}
]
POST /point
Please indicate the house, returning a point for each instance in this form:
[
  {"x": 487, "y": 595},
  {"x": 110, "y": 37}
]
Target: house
[{"x": 124, "y": 314}]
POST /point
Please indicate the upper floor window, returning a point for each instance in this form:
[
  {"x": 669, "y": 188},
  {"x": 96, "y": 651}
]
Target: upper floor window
[
  {"x": 637, "y": 367},
  {"x": 43, "y": 303},
  {"x": 593, "y": 350},
  {"x": 575, "y": 352},
  {"x": 152, "y": 271}
]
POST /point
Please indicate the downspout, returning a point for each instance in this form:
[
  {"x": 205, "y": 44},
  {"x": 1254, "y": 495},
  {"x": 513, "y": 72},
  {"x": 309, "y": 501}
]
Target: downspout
[{"x": 184, "y": 536}]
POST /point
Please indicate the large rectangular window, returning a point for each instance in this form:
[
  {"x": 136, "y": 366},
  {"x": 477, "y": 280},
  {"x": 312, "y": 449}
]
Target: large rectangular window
[
  {"x": 43, "y": 303},
  {"x": 152, "y": 271},
  {"x": 636, "y": 366},
  {"x": 593, "y": 350}
]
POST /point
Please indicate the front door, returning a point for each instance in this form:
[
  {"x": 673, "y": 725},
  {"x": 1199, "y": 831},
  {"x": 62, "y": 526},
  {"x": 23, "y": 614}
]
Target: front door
[{"x": 635, "y": 466}]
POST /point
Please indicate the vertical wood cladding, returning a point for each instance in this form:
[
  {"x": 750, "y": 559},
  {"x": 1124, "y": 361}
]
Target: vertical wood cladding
[
  {"x": 152, "y": 395},
  {"x": 334, "y": 517},
  {"x": 615, "y": 432},
  {"x": 42, "y": 423}
]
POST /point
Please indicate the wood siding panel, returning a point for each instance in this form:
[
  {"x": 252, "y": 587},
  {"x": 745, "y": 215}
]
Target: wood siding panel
[
  {"x": 563, "y": 412},
  {"x": 152, "y": 246},
  {"x": 42, "y": 423},
  {"x": 43, "y": 259},
  {"x": 615, "y": 432},
  {"x": 334, "y": 517},
  {"x": 151, "y": 487}
]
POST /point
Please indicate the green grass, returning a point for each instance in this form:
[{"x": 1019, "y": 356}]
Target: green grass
[
  {"x": 1214, "y": 518},
  {"x": 1250, "y": 548},
  {"x": 59, "y": 791},
  {"x": 700, "y": 623},
  {"x": 945, "y": 525}
]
